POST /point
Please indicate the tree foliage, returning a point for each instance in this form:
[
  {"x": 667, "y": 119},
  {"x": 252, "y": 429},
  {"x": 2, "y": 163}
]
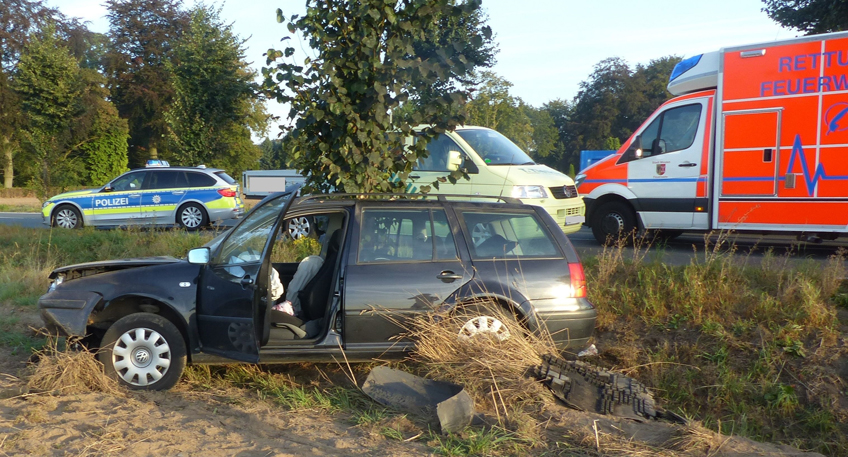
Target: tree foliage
[
  {"x": 371, "y": 57},
  {"x": 215, "y": 100},
  {"x": 142, "y": 35},
  {"x": 809, "y": 16}
]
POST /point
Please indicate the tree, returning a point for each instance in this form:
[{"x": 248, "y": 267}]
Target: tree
[
  {"x": 47, "y": 83},
  {"x": 142, "y": 34},
  {"x": 18, "y": 20},
  {"x": 809, "y": 16},
  {"x": 371, "y": 58},
  {"x": 216, "y": 103}
]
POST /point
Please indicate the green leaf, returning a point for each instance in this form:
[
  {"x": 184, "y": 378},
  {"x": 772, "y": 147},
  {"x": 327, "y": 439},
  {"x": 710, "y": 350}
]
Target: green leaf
[{"x": 280, "y": 16}]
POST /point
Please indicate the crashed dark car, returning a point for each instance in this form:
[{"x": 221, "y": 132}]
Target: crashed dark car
[{"x": 385, "y": 259}]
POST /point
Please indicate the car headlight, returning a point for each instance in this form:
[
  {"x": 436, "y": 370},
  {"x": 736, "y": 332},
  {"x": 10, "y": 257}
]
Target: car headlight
[
  {"x": 44, "y": 205},
  {"x": 579, "y": 179},
  {"x": 529, "y": 192},
  {"x": 59, "y": 280}
]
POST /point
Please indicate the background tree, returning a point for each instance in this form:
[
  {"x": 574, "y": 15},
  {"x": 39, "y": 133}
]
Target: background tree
[
  {"x": 809, "y": 16},
  {"x": 215, "y": 101},
  {"x": 47, "y": 81},
  {"x": 142, "y": 34},
  {"x": 371, "y": 57},
  {"x": 18, "y": 20}
]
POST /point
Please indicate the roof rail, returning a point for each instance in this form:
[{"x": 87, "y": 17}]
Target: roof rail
[{"x": 386, "y": 196}]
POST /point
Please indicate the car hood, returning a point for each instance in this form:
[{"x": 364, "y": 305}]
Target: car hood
[
  {"x": 542, "y": 175},
  {"x": 75, "y": 193},
  {"x": 103, "y": 266}
]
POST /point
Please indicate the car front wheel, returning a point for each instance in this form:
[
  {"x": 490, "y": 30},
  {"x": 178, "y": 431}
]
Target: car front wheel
[
  {"x": 143, "y": 351},
  {"x": 66, "y": 216}
]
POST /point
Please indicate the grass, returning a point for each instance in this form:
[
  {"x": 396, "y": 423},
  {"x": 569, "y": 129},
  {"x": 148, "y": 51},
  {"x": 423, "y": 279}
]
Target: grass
[
  {"x": 744, "y": 349},
  {"x": 6, "y": 208},
  {"x": 752, "y": 350}
]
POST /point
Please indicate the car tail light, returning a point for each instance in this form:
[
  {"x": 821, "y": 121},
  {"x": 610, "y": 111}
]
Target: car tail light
[
  {"x": 227, "y": 192},
  {"x": 578, "y": 280}
]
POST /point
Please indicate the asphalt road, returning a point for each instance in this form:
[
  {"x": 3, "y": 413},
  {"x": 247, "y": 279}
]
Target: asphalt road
[{"x": 679, "y": 251}]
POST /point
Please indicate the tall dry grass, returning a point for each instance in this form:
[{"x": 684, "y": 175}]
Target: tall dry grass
[{"x": 747, "y": 346}]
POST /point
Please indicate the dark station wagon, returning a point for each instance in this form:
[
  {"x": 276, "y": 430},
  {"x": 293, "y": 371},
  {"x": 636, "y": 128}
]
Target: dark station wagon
[{"x": 385, "y": 258}]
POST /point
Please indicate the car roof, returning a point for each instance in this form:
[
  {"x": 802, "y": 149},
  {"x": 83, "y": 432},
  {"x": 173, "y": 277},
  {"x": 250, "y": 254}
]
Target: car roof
[{"x": 207, "y": 169}]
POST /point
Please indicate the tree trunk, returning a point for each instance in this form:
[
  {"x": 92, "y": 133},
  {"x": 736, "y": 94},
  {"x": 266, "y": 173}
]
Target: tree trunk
[
  {"x": 8, "y": 169},
  {"x": 154, "y": 153}
]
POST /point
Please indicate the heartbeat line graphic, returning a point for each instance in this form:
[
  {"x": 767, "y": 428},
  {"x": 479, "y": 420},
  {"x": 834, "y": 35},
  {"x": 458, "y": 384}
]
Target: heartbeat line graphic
[{"x": 811, "y": 180}]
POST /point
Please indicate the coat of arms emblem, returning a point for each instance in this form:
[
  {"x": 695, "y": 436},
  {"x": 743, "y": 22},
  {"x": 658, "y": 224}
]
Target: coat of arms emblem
[{"x": 660, "y": 169}]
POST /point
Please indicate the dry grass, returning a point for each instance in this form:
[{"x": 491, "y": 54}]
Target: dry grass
[
  {"x": 494, "y": 372},
  {"x": 69, "y": 371}
]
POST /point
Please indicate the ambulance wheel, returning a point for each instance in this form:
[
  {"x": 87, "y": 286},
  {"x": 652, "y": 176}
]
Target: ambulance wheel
[
  {"x": 192, "y": 216},
  {"x": 613, "y": 221},
  {"x": 66, "y": 216}
]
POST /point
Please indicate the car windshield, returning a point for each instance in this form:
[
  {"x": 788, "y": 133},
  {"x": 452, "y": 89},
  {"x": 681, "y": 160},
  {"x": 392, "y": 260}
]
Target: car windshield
[{"x": 494, "y": 148}]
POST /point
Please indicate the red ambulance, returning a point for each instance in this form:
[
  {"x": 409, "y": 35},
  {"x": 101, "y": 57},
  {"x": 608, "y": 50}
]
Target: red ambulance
[{"x": 756, "y": 140}]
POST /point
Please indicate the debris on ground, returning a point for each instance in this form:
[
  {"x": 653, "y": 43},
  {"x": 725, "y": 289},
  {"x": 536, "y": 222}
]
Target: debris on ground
[{"x": 442, "y": 403}]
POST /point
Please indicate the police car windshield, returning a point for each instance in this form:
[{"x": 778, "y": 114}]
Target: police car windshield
[{"x": 494, "y": 148}]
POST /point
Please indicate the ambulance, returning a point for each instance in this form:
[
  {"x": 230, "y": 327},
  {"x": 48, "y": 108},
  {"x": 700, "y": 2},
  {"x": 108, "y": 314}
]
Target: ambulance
[{"x": 756, "y": 140}]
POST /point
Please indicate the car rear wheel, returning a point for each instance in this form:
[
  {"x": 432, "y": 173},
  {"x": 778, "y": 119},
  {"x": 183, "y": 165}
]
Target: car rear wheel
[
  {"x": 192, "y": 216},
  {"x": 143, "y": 351},
  {"x": 66, "y": 216},
  {"x": 479, "y": 320},
  {"x": 612, "y": 221}
]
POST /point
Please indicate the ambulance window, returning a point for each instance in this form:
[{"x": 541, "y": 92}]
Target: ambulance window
[{"x": 673, "y": 130}]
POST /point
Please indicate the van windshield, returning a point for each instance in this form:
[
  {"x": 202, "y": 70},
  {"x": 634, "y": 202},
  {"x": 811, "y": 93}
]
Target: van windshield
[{"x": 494, "y": 148}]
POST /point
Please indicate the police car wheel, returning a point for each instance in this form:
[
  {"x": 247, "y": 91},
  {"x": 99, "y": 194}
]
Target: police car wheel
[
  {"x": 612, "y": 221},
  {"x": 192, "y": 216},
  {"x": 143, "y": 351},
  {"x": 299, "y": 227},
  {"x": 67, "y": 216}
]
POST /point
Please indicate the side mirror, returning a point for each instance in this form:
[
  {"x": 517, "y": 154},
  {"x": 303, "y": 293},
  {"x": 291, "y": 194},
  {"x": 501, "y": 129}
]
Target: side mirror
[
  {"x": 635, "y": 150},
  {"x": 107, "y": 188},
  {"x": 198, "y": 256},
  {"x": 454, "y": 160}
]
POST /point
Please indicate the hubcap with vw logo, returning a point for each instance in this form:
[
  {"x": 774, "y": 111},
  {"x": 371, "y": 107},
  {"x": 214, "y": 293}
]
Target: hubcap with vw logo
[{"x": 141, "y": 356}]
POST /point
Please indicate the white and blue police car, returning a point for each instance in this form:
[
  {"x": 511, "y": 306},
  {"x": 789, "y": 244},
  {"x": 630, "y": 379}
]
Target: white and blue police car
[{"x": 158, "y": 194}]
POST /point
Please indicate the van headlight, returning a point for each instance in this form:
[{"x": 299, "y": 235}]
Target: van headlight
[{"x": 529, "y": 192}]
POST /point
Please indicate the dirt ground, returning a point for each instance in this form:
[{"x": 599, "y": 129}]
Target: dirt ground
[
  {"x": 234, "y": 421},
  {"x": 21, "y": 201}
]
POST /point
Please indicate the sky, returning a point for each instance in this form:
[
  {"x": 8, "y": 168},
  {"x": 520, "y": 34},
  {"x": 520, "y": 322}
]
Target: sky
[{"x": 547, "y": 47}]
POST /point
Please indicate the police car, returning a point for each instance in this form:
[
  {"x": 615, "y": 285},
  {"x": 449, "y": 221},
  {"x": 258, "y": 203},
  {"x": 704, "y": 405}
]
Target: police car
[{"x": 190, "y": 197}]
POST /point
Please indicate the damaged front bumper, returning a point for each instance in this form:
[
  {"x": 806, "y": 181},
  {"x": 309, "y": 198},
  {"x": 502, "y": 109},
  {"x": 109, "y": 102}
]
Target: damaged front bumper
[{"x": 66, "y": 312}]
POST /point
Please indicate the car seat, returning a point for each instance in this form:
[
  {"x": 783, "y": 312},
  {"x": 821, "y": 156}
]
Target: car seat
[{"x": 314, "y": 295}]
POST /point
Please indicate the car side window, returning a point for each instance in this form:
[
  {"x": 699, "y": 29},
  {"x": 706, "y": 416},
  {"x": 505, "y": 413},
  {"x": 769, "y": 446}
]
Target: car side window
[
  {"x": 497, "y": 235},
  {"x": 200, "y": 180},
  {"x": 128, "y": 182},
  {"x": 246, "y": 241},
  {"x": 673, "y": 130},
  {"x": 404, "y": 235},
  {"x": 163, "y": 180},
  {"x": 438, "y": 149}
]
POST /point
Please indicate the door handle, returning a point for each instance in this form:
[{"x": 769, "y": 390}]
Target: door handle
[
  {"x": 246, "y": 282},
  {"x": 134, "y": 195},
  {"x": 448, "y": 276},
  {"x": 178, "y": 193},
  {"x": 414, "y": 177},
  {"x": 687, "y": 164}
]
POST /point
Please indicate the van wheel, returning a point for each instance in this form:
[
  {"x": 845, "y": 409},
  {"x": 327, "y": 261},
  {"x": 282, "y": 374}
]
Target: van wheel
[
  {"x": 299, "y": 227},
  {"x": 192, "y": 216},
  {"x": 66, "y": 216},
  {"x": 143, "y": 351},
  {"x": 612, "y": 221}
]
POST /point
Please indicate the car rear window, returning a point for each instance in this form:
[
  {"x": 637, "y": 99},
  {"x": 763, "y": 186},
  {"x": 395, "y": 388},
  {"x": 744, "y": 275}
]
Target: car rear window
[
  {"x": 405, "y": 235},
  {"x": 200, "y": 180},
  {"x": 497, "y": 235},
  {"x": 223, "y": 175}
]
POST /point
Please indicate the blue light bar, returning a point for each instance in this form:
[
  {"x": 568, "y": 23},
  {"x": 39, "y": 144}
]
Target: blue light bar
[
  {"x": 156, "y": 163},
  {"x": 684, "y": 66}
]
